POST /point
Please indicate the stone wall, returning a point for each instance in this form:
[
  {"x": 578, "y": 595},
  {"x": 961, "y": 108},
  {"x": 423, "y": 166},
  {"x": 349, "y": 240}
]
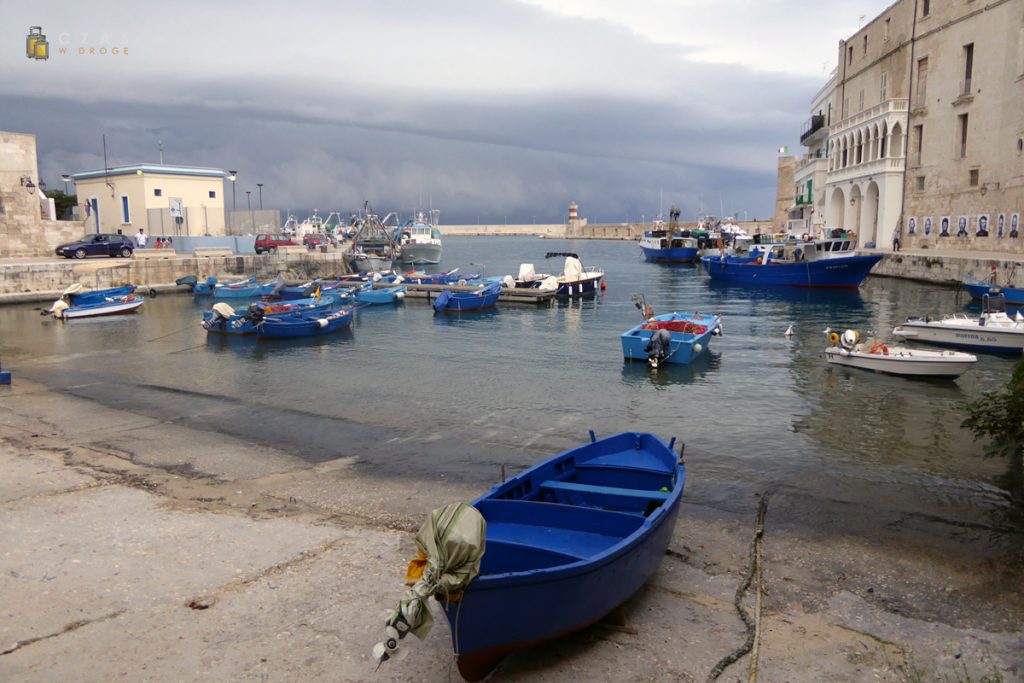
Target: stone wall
[
  {"x": 946, "y": 269},
  {"x": 41, "y": 281},
  {"x": 785, "y": 191},
  {"x": 551, "y": 230}
]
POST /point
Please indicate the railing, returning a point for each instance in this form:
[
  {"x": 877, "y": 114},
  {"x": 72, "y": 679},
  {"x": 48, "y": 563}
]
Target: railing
[
  {"x": 876, "y": 167},
  {"x": 877, "y": 111},
  {"x": 812, "y": 126},
  {"x": 819, "y": 163}
]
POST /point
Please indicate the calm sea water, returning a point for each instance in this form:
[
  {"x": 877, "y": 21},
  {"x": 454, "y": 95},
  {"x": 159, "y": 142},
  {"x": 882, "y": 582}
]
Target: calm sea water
[{"x": 415, "y": 394}]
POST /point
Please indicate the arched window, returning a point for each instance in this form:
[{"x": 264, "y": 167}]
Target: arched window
[
  {"x": 860, "y": 147},
  {"x": 896, "y": 144},
  {"x": 882, "y": 141}
]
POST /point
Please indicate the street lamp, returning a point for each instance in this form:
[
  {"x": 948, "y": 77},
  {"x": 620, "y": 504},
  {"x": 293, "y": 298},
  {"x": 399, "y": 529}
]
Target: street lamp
[
  {"x": 248, "y": 204},
  {"x": 260, "y": 185},
  {"x": 66, "y": 178},
  {"x": 234, "y": 206}
]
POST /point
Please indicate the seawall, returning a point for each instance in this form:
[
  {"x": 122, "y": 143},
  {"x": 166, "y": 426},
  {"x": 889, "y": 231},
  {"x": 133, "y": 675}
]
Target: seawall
[
  {"x": 944, "y": 267},
  {"x": 44, "y": 280}
]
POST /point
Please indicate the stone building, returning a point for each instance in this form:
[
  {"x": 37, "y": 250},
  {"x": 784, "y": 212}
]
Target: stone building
[
  {"x": 27, "y": 225},
  {"x": 806, "y": 215},
  {"x": 926, "y": 125}
]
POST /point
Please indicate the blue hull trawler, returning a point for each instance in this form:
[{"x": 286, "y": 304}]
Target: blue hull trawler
[
  {"x": 830, "y": 263},
  {"x": 547, "y": 552},
  {"x": 663, "y": 244}
]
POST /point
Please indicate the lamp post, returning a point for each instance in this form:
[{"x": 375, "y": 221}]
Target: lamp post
[
  {"x": 66, "y": 178},
  {"x": 248, "y": 205},
  {"x": 260, "y": 185},
  {"x": 234, "y": 207}
]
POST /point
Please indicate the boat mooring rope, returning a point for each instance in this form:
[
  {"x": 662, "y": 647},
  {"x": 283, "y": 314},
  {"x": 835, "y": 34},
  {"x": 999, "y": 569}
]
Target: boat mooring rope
[{"x": 753, "y": 624}]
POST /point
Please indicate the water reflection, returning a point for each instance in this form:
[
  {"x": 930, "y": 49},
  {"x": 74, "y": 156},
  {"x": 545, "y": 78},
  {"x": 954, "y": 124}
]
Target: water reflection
[{"x": 669, "y": 374}]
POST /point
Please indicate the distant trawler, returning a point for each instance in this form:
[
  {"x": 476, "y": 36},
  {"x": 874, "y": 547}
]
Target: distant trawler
[{"x": 420, "y": 239}]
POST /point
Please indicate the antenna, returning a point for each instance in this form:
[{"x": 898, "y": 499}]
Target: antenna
[
  {"x": 106, "y": 178},
  {"x": 160, "y": 144}
]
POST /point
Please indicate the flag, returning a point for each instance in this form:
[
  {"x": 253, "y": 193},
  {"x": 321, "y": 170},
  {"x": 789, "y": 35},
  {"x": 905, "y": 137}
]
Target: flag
[{"x": 783, "y": 150}]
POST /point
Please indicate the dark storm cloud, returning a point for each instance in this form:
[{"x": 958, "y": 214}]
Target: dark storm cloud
[{"x": 494, "y": 140}]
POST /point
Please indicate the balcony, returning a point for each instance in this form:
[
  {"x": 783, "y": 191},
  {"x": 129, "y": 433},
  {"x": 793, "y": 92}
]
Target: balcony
[
  {"x": 877, "y": 167},
  {"x": 893, "y": 106},
  {"x": 812, "y": 126},
  {"x": 809, "y": 166}
]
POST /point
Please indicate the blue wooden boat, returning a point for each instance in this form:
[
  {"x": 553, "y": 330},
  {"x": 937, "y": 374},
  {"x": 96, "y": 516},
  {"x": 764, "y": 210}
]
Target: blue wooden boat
[
  {"x": 224, "y": 319},
  {"x": 824, "y": 263},
  {"x": 978, "y": 289},
  {"x": 109, "y": 306},
  {"x": 451, "y": 277},
  {"x": 454, "y": 302},
  {"x": 567, "y": 542},
  {"x": 304, "y": 324},
  {"x": 367, "y": 295},
  {"x": 243, "y": 289},
  {"x": 336, "y": 289},
  {"x": 670, "y": 338},
  {"x": 79, "y": 298}
]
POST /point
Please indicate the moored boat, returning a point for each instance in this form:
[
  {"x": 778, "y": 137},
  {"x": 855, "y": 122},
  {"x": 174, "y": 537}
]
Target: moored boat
[
  {"x": 993, "y": 330},
  {"x": 670, "y": 338},
  {"x": 420, "y": 239},
  {"x": 454, "y": 302},
  {"x": 65, "y": 310},
  {"x": 822, "y": 263},
  {"x": 670, "y": 244},
  {"x": 225, "y": 319},
  {"x": 304, "y": 324},
  {"x": 979, "y": 289},
  {"x": 575, "y": 280},
  {"x": 368, "y": 295},
  {"x": 849, "y": 351},
  {"x": 563, "y": 544}
]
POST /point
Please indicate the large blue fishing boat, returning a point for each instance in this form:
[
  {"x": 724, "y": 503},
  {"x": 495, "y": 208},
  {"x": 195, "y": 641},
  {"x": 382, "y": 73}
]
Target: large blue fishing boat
[
  {"x": 824, "y": 263},
  {"x": 670, "y": 244},
  {"x": 567, "y": 542}
]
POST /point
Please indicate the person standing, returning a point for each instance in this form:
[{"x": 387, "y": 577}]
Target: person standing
[{"x": 140, "y": 239}]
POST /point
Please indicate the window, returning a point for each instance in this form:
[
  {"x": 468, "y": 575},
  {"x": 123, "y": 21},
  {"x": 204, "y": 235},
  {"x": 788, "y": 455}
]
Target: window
[
  {"x": 865, "y": 44},
  {"x": 883, "y": 86},
  {"x": 126, "y": 216},
  {"x": 2, "y": 209},
  {"x": 157, "y": 192},
  {"x": 918, "y": 140},
  {"x": 974, "y": 177},
  {"x": 213, "y": 194},
  {"x": 926, "y": 7},
  {"x": 886, "y": 36},
  {"x": 968, "y": 69},
  {"x": 922, "y": 81},
  {"x": 860, "y": 101},
  {"x": 920, "y": 183},
  {"x": 849, "y": 55},
  {"x": 962, "y": 119}
]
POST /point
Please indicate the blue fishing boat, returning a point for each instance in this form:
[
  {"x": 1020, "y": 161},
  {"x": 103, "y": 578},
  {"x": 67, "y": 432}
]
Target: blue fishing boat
[
  {"x": 978, "y": 289},
  {"x": 454, "y": 302},
  {"x": 368, "y": 295},
  {"x": 79, "y": 296},
  {"x": 336, "y": 289},
  {"x": 670, "y": 338},
  {"x": 668, "y": 245},
  {"x": 243, "y": 289},
  {"x": 66, "y": 310},
  {"x": 225, "y": 319},
  {"x": 451, "y": 277},
  {"x": 304, "y": 324},
  {"x": 567, "y": 541},
  {"x": 824, "y": 263}
]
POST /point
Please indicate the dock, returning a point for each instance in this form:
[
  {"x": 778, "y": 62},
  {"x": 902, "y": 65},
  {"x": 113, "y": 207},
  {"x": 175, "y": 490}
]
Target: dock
[{"x": 516, "y": 295}]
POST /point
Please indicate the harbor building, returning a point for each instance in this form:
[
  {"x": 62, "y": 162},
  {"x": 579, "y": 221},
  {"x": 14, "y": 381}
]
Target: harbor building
[
  {"x": 925, "y": 136},
  {"x": 162, "y": 200}
]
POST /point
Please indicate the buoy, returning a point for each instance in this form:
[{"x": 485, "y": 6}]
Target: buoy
[
  {"x": 697, "y": 348},
  {"x": 789, "y": 331},
  {"x": 603, "y": 285},
  {"x": 399, "y": 295}
]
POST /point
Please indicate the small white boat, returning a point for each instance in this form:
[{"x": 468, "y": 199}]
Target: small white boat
[
  {"x": 993, "y": 330},
  {"x": 847, "y": 350}
]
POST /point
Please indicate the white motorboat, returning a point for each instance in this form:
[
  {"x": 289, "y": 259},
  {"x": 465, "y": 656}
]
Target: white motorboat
[
  {"x": 993, "y": 330},
  {"x": 847, "y": 350}
]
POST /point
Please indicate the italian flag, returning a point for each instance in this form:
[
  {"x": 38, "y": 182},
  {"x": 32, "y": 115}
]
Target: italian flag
[{"x": 783, "y": 150}]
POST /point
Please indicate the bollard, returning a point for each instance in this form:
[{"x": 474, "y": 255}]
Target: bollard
[{"x": 5, "y": 376}]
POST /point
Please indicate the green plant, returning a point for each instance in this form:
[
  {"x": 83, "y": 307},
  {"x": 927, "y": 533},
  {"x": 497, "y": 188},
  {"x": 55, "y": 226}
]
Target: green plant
[{"x": 999, "y": 415}]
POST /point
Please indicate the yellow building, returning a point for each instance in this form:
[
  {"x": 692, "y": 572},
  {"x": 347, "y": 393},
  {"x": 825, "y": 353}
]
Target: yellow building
[{"x": 162, "y": 200}]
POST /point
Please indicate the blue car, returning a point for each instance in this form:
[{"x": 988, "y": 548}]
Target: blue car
[{"x": 98, "y": 245}]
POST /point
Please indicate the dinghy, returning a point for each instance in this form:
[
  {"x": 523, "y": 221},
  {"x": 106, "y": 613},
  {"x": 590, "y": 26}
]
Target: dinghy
[
  {"x": 847, "y": 350},
  {"x": 75, "y": 302},
  {"x": 304, "y": 324},
  {"x": 455, "y": 302},
  {"x": 669, "y": 338}
]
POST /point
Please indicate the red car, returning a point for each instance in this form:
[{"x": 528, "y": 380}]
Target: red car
[{"x": 270, "y": 243}]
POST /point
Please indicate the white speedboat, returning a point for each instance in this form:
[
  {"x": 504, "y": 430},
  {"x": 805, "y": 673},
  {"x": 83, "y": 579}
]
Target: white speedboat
[
  {"x": 847, "y": 350},
  {"x": 993, "y": 330}
]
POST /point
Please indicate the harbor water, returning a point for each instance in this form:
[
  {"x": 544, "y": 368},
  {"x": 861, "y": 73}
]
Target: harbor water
[{"x": 414, "y": 394}]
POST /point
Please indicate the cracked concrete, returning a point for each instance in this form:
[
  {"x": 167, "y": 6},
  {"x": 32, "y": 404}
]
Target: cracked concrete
[{"x": 137, "y": 549}]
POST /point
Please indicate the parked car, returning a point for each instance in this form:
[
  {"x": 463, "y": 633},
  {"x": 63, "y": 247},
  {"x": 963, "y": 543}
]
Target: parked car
[
  {"x": 315, "y": 239},
  {"x": 98, "y": 245},
  {"x": 268, "y": 243}
]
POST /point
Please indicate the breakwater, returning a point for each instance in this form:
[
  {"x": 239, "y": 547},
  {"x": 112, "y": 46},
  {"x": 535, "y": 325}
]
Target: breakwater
[{"x": 943, "y": 268}]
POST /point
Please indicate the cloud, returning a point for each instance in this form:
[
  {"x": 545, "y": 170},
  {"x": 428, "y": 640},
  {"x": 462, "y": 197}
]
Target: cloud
[{"x": 492, "y": 109}]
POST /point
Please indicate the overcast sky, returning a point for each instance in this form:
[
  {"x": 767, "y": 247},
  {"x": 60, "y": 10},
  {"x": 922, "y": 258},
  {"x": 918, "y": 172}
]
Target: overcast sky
[{"x": 489, "y": 109}]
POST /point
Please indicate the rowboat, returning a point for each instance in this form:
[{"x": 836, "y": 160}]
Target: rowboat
[
  {"x": 109, "y": 306},
  {"x": 993, "y": 330},
  {"x": 304, "y": 324},
  {"x": 454, "y": 302},
  {"x": 670, "y": 338},
  {"x": 78, "y": 295},
  {"x": 978, "y": 289},
  {"x": 846, "y": 350},
  {"x": 225, "y": 319},
  {"x": 243, "y": 289},
  {"x": 387, "y": 295},
  {"x": 451, "y": 277},
  {"x": 567, "y": 541}
]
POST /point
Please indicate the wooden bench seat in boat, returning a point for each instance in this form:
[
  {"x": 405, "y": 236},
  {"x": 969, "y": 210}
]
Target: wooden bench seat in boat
[{"x": 611, "y": 491}]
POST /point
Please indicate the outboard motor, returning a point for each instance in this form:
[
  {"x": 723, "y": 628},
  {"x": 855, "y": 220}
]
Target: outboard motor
[
  {"x": 658, "y": 348},
  {"x": 219, "y": 315}
]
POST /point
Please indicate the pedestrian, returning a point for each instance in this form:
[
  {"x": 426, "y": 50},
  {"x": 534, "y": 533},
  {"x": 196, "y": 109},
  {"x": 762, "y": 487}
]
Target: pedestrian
[
  {"x": 140, "y": 239},
  {"x": 896, "y": 239}
]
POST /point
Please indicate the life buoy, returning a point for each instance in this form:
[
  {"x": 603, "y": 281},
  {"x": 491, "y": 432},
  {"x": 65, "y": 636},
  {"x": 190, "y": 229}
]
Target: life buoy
[{"x": 833, "y": 338}]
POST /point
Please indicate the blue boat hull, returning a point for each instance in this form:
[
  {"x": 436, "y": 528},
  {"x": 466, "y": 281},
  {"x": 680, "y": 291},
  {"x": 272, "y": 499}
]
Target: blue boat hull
[
  {"x": 388, "y": 295},
  {"x": 683, "y": 346},
  {"x": 304, "y": 325},
  {"x": 237, "y": 324},
  {"x": 562, "y": 553},
  {"x": 100, "y": 295},
  {"x": 582, "y": 287},
  {"x": 978, "y": 290},
  {"x": 458, "y": 302},
  {"x": 844, "y": 273},
  {"x": 677, "y": 255}
]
